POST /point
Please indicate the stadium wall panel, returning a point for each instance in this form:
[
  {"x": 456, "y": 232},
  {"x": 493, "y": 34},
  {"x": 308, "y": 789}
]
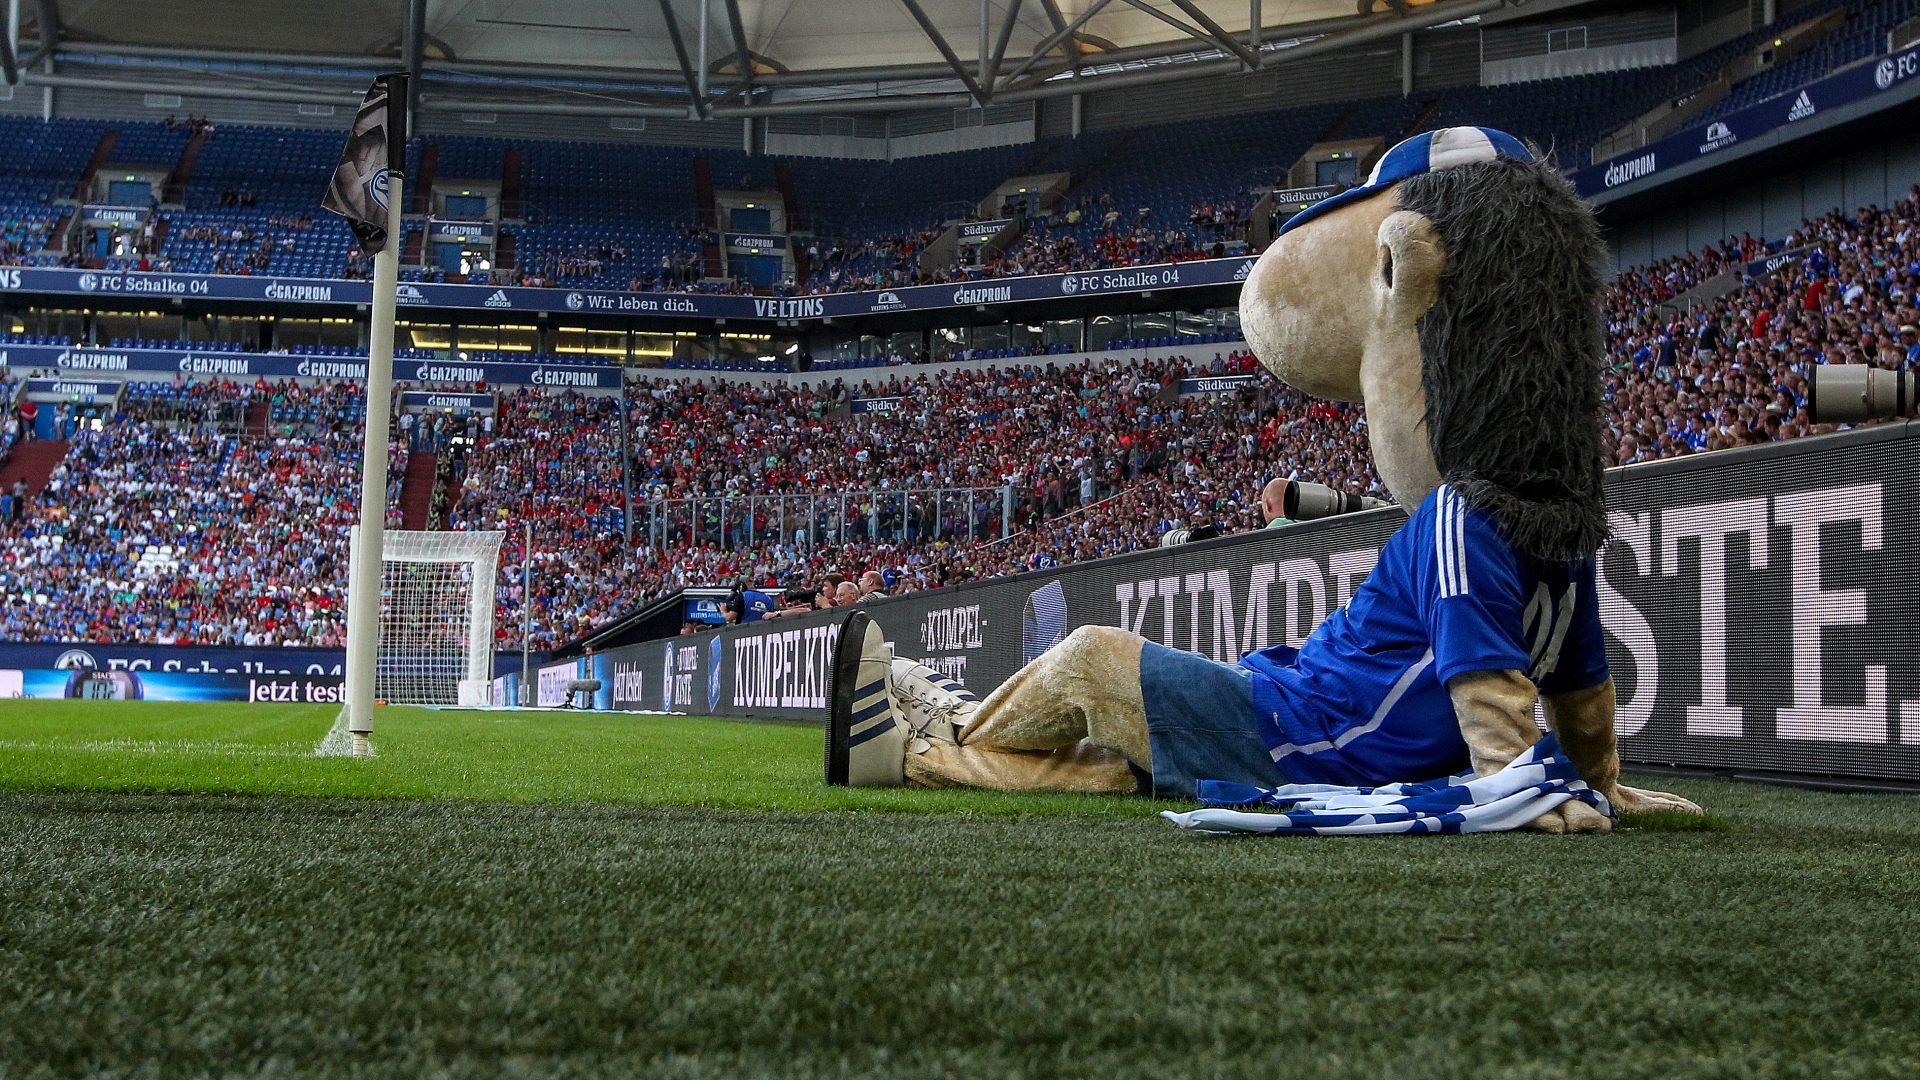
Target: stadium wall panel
[
  {"x": 1760, "y": 607},
  {"x": 1346, "y": 77},
  {"x": 1444, "y": 58},
  {"x": 1717, "y": 24}
]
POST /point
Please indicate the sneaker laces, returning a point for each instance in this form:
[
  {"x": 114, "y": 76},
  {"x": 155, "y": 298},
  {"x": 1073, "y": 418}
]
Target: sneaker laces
[{"x": 932, "y": 714}]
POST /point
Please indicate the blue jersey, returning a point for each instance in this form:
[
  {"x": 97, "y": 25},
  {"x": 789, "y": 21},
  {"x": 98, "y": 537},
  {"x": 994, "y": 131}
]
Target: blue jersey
[{"x": 1365, "y": 701}]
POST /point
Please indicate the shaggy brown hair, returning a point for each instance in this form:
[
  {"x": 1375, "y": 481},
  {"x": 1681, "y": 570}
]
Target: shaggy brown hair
[{"x": 1512, "y": 350}]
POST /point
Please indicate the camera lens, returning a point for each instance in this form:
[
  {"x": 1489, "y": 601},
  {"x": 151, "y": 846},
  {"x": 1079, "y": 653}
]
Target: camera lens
[
  {"x": 1852, "y": 393},
  {"x": 1305, "y": 502}
]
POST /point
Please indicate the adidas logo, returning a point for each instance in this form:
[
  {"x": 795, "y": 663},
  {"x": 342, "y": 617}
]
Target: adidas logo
[
  {"x": 1803, "y": 107},
  {"x": 499, "y": 299},
  {"x": 1245, "y": 271}
]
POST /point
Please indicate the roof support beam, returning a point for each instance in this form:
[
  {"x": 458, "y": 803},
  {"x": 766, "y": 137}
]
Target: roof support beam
[
  {"x": 9, "y": 65},
  {"x": 49, "y": 22},
  {"x": 1218, "y": 35},
  {"x": 706, "y": 11},
  {"x": 981, "y": 56},
  {"x": 345, "y": 98},
  {"x": 841, "y": 106},
  {"x": 992, "y": 72},
  {"x": 1253, "y": 26},
  {"x": 946, "y": 50},
  {"x": 1062, "y": 35},
  {"x": 348, "y": 98},
  {"x": 686, "y": 65},
  {"x": 1384, "y": 26},
  {"x": 740, "y": 49}
]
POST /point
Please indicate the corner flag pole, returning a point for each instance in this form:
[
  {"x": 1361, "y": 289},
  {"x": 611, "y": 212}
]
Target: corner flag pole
[
  {"x": 526, "y": 615},
  {"x": 368, "y": 189}
]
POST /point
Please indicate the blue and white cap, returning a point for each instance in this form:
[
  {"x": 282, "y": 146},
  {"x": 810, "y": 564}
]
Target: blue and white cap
[{"x": 1424, "y": 153}]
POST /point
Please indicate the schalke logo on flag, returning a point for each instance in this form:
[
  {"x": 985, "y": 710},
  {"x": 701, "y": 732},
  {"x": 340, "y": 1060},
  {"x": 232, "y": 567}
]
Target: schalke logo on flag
[{"x": 377, "y": 187}]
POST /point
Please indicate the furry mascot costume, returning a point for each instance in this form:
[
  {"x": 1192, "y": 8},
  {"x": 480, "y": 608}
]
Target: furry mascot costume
[{"x": 1456, "y": 295}]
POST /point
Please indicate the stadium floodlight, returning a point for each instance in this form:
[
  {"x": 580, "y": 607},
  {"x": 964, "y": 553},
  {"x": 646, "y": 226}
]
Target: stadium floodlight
[{"x": 436, "y": 617}]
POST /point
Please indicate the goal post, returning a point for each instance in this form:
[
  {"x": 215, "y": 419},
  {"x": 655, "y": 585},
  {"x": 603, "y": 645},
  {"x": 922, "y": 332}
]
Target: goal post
[{"x": 435, "y": 644}]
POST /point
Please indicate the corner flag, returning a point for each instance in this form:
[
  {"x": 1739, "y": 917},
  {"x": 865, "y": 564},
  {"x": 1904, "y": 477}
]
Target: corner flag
[
  {"x": 368, "y": 188},
  {"x": 375, "y": 154}
]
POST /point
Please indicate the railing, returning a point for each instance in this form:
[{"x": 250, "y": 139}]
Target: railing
[
  {"x": 1086, "y": 508},
  {"x": 829, "y": 518}
]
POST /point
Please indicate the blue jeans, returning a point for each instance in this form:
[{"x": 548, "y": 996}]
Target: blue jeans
[{"x": 1201, "y": 723}]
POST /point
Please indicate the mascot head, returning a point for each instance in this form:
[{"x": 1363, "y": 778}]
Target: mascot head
[{"x": 1455, "y": 293}]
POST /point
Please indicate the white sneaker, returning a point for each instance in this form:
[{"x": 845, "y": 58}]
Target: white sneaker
[
  {"x": 935, "y": 707},
  {"x": 866, "y": 736}
]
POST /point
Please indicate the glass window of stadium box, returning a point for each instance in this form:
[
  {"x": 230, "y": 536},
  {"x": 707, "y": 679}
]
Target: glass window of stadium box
[
  {"x": 249, "y": 332},
  {"x": 948, "y": 340},
  {"x": 911, "y": 344},
  {"x": 1189, "y": 324},
  {"x": 611, "y": 344},
  {"x": 50, "y": 322},
  {"x": 1070, "y": 333},
  {"x": 745, "y": 347},
  {"x": 342, "y": 333},
  {"x": 1103, "y": 330},
  {"x": 416, "y": 335},
  {"x": 1151, "y": 325},
  {"x": 693, "y": 348},
  {"x": 992, "y": 336},
  {"x": 112, "y": 326},
  {"x": 510, "y": 339}
]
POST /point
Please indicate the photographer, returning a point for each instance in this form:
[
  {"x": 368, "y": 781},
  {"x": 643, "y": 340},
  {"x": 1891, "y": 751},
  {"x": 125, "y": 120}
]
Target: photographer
[
  {"x": 1273, "y": 504},
  {"x": 873, "y": 586},
  {"x": 747, "y": 606}
]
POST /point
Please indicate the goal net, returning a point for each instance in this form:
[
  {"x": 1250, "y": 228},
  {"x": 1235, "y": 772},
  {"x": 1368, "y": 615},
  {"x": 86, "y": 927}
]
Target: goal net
[{"x": 436, "y": 617}]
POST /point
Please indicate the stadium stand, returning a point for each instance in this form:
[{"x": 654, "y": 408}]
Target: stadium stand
[
  {"x": 157, "y": 518},
  {"x": 1123, "y": 460}
]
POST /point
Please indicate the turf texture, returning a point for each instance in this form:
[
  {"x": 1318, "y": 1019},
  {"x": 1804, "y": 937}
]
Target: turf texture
[{"x": 185, "y": 890}]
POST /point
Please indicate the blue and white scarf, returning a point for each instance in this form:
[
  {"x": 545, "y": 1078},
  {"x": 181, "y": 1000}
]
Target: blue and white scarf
[{"x": 1537, "y": 781}]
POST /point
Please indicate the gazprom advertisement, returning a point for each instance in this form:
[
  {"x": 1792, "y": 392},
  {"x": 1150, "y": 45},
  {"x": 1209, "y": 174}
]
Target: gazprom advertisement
[
  {"x": 165, "y": 364},
  {"x": 1691, "y": 144},
  {"x": 330, "y": 292}
]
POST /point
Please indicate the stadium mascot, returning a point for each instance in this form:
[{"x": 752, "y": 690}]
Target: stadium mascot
[{"x": 1455, "y": 293}]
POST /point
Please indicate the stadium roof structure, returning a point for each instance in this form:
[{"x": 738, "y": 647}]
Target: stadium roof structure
[{"x": 686, "y": 58}]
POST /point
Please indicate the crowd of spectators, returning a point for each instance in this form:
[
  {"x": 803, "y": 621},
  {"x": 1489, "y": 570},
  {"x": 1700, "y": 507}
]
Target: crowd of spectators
[
  {"x": 23, "y": 232},
  {"x": 785, "y": 486},
  {"x": 165, "y": 524},
  {"x": 1733, "y": 370},
  {"x": 554, "y": 461},
  {"x": 238, "y": 247}
]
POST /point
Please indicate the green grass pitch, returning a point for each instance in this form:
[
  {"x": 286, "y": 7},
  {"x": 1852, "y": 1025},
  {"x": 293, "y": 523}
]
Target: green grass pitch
[{"x": 185, "y": 889}]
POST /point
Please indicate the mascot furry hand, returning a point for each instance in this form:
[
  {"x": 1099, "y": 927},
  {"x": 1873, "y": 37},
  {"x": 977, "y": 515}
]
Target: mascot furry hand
[{"x": 1456, "y": 295}]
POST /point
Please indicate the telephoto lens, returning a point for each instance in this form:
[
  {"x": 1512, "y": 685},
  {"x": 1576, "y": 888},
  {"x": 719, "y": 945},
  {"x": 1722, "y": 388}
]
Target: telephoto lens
[
  {"x": 1176, "y": 537},
  {"x": 1305, "y": 502},
  {"x": 1854, "y": 393}
]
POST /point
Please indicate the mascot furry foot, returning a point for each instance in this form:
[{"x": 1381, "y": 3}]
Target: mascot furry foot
[{"x": 1455, "y": 294}]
